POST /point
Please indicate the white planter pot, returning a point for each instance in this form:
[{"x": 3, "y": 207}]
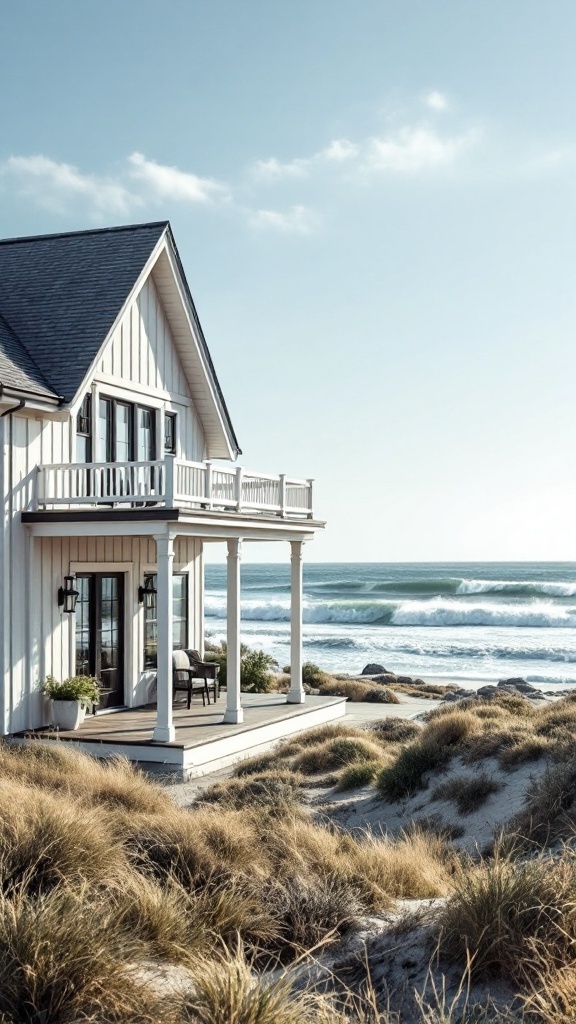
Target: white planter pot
[{"x": 68, "y": 714}]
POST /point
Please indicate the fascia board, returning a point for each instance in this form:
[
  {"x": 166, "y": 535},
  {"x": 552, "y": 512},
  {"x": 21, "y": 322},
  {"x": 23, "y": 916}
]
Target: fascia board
[{"x": 192, "y": 324}]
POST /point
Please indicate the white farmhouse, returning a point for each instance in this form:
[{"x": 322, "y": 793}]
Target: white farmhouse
[{"x": 113, "y": 425}]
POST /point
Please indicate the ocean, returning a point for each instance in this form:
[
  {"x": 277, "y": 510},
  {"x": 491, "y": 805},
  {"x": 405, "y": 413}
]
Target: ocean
[{"x": 475, "y": 620}]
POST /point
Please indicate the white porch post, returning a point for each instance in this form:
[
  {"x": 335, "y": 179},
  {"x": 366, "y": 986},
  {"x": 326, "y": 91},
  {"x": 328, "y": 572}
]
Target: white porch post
[
  {"x": 234, "y": 713},
  {"x": 164, "y": 731},
  {"x": 296, "y": 692}
]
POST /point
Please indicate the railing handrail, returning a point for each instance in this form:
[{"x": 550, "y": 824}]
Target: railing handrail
[
  {"x": 172, "y": 481},
  {"x": 155, "y": 464}
]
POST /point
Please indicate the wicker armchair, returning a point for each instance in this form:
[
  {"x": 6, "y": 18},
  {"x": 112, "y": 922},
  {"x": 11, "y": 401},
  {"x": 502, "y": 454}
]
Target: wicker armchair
[
  {"x": 206, "y": 670},
  {"x": 184, "y": 678}
]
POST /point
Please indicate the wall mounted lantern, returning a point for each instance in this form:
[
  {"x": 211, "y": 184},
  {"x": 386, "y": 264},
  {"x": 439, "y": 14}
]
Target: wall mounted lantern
[
  {"x": 147, "y": 593},
  {"x": 68, "y": 596}
]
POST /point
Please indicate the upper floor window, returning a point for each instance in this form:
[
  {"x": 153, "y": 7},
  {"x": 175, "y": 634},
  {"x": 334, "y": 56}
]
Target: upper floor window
[
  {"x": 84, "y": 431},
  {"x": 170, "y": 433},
  {"x": 125, "y": 432}
]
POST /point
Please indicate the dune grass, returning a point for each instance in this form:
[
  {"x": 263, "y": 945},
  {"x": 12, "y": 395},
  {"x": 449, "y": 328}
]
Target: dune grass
[
  {"x": 98, "y": 864},
  {"x": 501, "y": 911},
  {"x": 469, "y": 792},
  {"x": 337, "y": 753}
]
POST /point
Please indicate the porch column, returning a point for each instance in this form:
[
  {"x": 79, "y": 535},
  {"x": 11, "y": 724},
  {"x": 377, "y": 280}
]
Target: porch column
[
  {"x": 234, "y": 713},
  {"x": 164, "y": 731},
  {"x": 296, "y": 692}
]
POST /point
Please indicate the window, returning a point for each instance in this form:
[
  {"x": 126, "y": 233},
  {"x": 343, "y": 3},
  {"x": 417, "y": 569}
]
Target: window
[
  {"x": 179, "y": 619},
  {"x": 84, "y": 431},
  {"x": 170, "y": 433},
  {"x": 125, "y": 432}
]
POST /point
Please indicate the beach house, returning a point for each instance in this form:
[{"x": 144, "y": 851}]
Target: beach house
[{"x": 119, "y": 467}]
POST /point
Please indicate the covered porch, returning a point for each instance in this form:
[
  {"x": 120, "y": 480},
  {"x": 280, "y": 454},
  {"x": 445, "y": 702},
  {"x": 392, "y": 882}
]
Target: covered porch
[{"x": 165, "y": 733}]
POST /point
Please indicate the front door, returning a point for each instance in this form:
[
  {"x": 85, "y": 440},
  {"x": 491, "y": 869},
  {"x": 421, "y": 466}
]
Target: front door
[{"x": 100, "y": 633}]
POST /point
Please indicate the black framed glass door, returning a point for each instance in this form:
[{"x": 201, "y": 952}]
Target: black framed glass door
[{"x": 100, "y": 633}]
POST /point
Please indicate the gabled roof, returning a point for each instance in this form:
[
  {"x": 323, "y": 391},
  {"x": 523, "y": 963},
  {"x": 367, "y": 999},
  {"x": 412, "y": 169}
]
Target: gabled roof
[{"x": 60, "y": 296}]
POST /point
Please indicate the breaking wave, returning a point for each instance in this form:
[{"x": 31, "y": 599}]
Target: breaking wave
[
  {"x": 439, "y": 612},
  {"x": 518, "y": 588}
]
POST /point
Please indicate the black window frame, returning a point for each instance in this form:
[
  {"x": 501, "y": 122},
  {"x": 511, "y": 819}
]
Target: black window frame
[
  {"x": 170, "y": 438},
  {"x": 84, "y": 427},
  {"x": 112, "y": 403},
  {"x": 150, "y": 660}
]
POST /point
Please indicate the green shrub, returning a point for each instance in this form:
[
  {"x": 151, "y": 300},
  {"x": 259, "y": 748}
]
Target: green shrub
[
  {"x": 407, "y": 774},
  {"x": 255, "y": 674},
  {"x": 312, "y": 674},
  {"x": 359, "y": 773},
  {"x": 83, "y": 688},
  {"x": 255, "y": 668}
]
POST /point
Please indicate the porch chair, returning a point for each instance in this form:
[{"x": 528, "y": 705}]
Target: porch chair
[
  {"x": 184, "y": 678},
  {"x": 206, "y": 670}
]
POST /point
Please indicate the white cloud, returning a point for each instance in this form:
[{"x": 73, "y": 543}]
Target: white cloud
[
  {"x": 274, "y": 170},
  {"x": 171, "y": 183},
  {"x": 54, "y": 185},
  {"x": 436, "y": 100},
  {"x": 414, "y": 150},
  {"x": 299, "y": 220}
]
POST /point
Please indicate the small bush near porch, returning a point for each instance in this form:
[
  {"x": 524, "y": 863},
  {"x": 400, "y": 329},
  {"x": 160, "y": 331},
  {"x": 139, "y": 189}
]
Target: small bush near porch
[{"x": 257, "y": 669}]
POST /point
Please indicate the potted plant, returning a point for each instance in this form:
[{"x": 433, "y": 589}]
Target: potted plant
[{"x": 70, "y": 699}]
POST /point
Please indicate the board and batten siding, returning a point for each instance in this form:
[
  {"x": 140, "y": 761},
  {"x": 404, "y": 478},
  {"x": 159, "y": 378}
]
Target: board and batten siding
[
  {"x": 141, "y": 352},
  {"x": 27, "y": 441},
  {"x": 48, "y": 647}
]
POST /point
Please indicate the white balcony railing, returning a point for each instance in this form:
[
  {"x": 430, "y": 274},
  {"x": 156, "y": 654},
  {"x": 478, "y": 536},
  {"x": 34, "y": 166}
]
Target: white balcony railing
[{"x": 171, "y": 483}]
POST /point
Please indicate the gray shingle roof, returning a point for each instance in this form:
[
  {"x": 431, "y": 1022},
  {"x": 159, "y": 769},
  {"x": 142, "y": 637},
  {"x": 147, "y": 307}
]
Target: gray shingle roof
[
  {"x": 59, "y": 296},
  {"x": 17, "y": 369}
]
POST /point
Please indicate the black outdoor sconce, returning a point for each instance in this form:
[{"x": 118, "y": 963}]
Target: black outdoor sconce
[
  {"x": 68, "y": 596},
  {"x": 147, "y": 593}
]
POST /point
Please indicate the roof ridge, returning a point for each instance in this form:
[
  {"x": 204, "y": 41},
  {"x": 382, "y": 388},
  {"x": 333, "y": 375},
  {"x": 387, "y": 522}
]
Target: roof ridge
[{"x": 86, "y": 231}]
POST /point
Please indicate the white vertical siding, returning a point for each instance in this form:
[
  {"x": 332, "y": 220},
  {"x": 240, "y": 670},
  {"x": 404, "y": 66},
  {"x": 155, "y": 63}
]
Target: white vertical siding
[
  {"x": 40, "y": 638},
  {"x": 28, "y": 643},
  {"x": 142, "y": 351}
]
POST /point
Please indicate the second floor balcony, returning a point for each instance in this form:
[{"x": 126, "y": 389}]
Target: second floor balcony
[{"x": 171, "y": 483}]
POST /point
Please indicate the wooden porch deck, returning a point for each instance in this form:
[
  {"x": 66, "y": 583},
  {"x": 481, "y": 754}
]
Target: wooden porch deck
[{"x": 203, "y": 742}]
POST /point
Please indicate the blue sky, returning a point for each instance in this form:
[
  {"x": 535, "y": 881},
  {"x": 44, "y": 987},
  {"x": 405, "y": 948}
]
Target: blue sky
[{"x": 375, "y": 206}]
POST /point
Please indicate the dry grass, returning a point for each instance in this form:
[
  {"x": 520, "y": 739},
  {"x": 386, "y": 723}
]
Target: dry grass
[
  {"x": 59, "y": 768},
  {"x": 337, "y": 753},
  {"x": 469, "y": 792},
  {"x": 46, "y": 840},
  {"x": 450, "y": 730},
  {"x": 550, "y": 811},
  {"x": 503, "y": 909},
  {"x": 227, "y": 993},
  {"x": 64, "y": 957},
  {"x": 276, "y": 789},
  {"x": 354, "y": 690},
  {"x": 524, "y": 749},
  {"x": 360, "y": 773},
  {"x": 395, "y": 730}
]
